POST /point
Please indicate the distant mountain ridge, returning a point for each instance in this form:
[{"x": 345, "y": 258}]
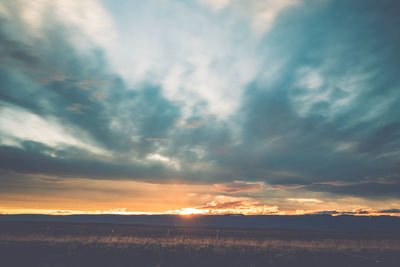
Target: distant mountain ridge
[{"x": 304, "y": 222}]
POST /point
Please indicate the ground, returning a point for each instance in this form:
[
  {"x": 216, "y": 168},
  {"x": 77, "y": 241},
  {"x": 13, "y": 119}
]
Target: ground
[{"x": 75, "y": 244}]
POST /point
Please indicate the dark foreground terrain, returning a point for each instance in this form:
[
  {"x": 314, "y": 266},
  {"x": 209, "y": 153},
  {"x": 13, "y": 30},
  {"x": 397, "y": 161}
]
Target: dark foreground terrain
[{"x": 99, "y": 244}]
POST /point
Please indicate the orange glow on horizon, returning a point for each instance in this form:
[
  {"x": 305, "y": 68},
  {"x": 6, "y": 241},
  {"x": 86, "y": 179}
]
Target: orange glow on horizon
[
  {"x": 87, "y": 196},
  {"x": 243, "y": 207},
  {"x": 183, "y": 212},
  {"x": 74, "y": 212}
]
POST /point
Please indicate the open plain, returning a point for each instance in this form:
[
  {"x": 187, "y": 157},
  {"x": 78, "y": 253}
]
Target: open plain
[{"x": 99, "y": 244}]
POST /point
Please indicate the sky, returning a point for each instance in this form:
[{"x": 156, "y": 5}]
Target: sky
[{"x": 200, "y": 106}]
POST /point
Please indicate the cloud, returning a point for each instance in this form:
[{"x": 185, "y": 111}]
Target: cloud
[
  {"x": 19, "y": 125},
  {"x": 77, "y": 108},
  {"x": 314, "y": 212},
  {"x": 193, "y": 124},
  {"x": 363, "y": 211},
  {"x": 216, "y": 4},
  {"x": 165, "y": 160},
  {"x": 358, "y": 211},
  {"x": 260, "y": 13},
  {"x": 305, "y": 200},
  {"x": 238, "y": 186},
  {"x": 189, "y": 59},
  {"x": 233, "y": 207},
  {"x": 390, "y": 211},
  {"x": 339, "y": 183},
  {"x": 368, "y": 189},
  {"x": 265, "y": 12},
  {"x": 278, "y": 186}
]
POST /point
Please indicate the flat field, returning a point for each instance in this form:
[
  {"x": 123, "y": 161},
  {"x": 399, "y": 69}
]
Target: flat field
[{"x": 92, "y": 244}]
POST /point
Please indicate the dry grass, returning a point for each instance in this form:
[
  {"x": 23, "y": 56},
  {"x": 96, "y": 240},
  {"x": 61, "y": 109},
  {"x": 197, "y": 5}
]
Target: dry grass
[
  {"x": 199, "y": 242},
  {"x": 38, "y": 244}
]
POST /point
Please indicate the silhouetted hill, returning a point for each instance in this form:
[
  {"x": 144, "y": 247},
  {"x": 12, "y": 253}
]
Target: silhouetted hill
[{"x": 305, "y": 222}]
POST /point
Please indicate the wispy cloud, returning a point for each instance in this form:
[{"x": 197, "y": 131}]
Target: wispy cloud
[
  {"x": 260, "y": 13},
  {"x": 305, "y": 200},
  {"x": 238, "y": 186}
]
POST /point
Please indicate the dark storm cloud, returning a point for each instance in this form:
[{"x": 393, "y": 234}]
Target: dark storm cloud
[
  {"x": 35, "y": 159},
  {"x": 370, "y": 189},
  {"x": 329, "y": 114},
  {"x": 329, "y": 141},
  {"x": 66, "y": 84}
]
